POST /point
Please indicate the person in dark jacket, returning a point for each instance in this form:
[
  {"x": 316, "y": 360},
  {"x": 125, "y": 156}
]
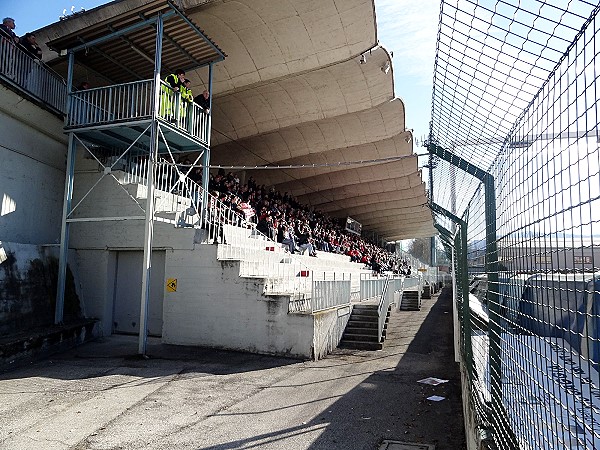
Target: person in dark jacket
[
  {"x": 7, "y": 35},
  {"x": 203, "y": 100},
  {"x": 30, "y": 45},
  {"x": 35, "y": 79}
]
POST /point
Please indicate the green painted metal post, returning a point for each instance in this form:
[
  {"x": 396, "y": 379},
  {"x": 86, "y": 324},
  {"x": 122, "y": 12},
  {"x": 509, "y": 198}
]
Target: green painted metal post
[
  {"x": 491, "y": 263},
  {"x": 206, "y": 154},
  {"x": 460, "y": 246}
]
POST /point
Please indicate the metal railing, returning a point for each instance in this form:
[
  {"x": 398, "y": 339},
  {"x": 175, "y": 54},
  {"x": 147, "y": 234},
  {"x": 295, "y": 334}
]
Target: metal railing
[
  {"x": 328, "y": 290},
  {"x": 31, "y": 75},
  {"x": 130, "y": 102},
  {"x": 332, "y": 293},
  {"x": 385, "y": 300},
  {"x": 184, "y": 115},
  {"x": 392, "y": 292},
  {"x": 386, "y": 290},
  {"x": 118, "y": 103},
  {"x": 371, "y": 286},
  {"x": 179, "y": 200}
]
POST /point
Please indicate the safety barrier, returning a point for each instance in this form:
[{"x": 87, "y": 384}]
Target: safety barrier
[
  {"x": 371, "y": 287},
  {"x": 130, "y": 102},
  {"x": 32, "y": 76},
  {"x": 391, "y": 286},
  {"x": 109, "y": 104},
  {"x": 328, "y": 290},
  {"x": 179, "y": 200},
  {"x": 516, "y": 192}
]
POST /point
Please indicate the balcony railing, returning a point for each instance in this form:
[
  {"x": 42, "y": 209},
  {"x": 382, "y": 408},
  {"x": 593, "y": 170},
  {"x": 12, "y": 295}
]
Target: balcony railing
[
  {"x": 133, "y": 101},
  {"x": 117, "y": 103},
  {"x": 32, "y": 76}
]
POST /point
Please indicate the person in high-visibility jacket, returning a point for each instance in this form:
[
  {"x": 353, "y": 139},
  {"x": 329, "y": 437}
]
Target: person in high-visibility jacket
[
  {"x": 170, "y": 97},
  {"x": 187, "y": 97}
]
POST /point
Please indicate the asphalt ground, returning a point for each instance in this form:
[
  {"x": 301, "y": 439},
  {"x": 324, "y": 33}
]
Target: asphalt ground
[{"x": 102, "y": 396}]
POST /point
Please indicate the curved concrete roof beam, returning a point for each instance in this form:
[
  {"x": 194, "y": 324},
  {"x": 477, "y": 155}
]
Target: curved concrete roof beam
[
  {"x": 366, "y": 209},
  {"x": 403, "y": 224},
  {"x": 349, "y": 196},
  {"x": 387, "y": 148},
  {"x": 324, "y": 93},
  {"x": 399, "y": 213},
  {"x": 390, "y": 221},
  {"x": 382, "y": 122},
  {"x": 333, "y": 158},
  {"x": 266, "y": 40},
  {"x": 351, "y": 206},
  {"x": 350, "y": 177},
  {"x": 423, "y": 231}
]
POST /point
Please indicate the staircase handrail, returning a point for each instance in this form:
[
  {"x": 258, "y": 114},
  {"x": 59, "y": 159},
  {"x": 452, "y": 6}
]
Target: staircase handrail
[
  {"x": 382, "y": 308},
  {"x": 169, "y": 178},
  {"x": 391, "y": 286}
]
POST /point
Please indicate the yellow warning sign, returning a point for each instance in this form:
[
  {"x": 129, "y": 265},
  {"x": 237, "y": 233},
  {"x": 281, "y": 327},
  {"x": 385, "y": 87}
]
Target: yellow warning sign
[{"x": 171, "y": 284}]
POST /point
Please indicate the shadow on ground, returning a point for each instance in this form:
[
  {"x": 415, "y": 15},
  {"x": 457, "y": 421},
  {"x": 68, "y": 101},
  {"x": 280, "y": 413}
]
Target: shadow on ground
[
  {"x": 390, "y": 404},
  {"x": 117, "y": 355}
]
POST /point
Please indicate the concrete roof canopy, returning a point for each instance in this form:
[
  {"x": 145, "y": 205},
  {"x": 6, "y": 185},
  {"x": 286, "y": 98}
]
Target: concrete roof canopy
[{"x": 306, "y": 83}]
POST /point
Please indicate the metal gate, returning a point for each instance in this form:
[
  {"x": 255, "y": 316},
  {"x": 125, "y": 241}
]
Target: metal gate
[{"x": 128, "y": 291}]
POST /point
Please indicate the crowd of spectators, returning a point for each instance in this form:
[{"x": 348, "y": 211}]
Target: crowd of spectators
[{"x": 300, "y": 229}]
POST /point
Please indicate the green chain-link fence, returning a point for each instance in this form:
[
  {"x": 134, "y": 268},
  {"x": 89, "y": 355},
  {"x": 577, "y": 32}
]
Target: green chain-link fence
[{"x": 514, "y": 151}]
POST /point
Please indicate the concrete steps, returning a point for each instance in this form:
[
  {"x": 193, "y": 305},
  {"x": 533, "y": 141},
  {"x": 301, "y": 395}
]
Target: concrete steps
[
  {"x": 362, "y": 329},
  {"x": 427, "y": 291},
  {"x": 410, "y": 301}
]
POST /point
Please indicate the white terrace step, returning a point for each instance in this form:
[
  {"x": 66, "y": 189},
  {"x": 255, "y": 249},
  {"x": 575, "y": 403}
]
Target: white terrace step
[{"x": 165, "y": 201}]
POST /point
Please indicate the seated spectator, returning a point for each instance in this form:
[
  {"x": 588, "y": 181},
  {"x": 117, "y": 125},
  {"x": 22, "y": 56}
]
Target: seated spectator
[
  {"x": 305, "y": 241},
  {"x": 288, "y": 239},
  {"x": 276, "y": 215},
  {"x": 264, "y": 224}
]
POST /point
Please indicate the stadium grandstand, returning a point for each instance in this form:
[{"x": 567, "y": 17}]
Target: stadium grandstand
[
  {"x": 251, "y": 222},
  {"x": 235, "y": 175}
]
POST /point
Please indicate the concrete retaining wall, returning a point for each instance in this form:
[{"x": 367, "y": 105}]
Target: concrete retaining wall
[
  {"x": 329, "y": 328},
  {"x": 214, "y": 307},
  {"x": 28, "y": 275},
  {"x": 32, "y": 173}
]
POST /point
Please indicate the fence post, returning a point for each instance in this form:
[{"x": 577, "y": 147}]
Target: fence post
[
  {"x": 460, "y": 248},
  {"x": 491, "y": 264}
]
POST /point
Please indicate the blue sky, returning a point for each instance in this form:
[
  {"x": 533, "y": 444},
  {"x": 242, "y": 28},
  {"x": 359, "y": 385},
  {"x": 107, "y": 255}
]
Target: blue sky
[{"x": 408, "y": 28}]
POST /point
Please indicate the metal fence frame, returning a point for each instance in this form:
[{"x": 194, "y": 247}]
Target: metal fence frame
[{"x": 529, "y": 321}]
